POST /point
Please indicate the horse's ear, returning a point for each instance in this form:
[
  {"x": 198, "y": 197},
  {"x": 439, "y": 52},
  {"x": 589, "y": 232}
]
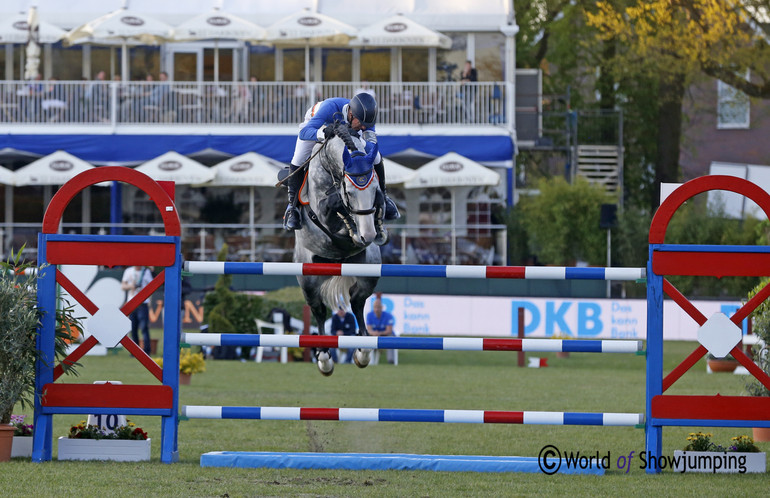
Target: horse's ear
[
  {"x": 345, "y": 157},
  {"x": 371, "y": 150}
]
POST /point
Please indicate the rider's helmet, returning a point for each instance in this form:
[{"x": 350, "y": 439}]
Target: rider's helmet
[{"x": 364, "y": 108}]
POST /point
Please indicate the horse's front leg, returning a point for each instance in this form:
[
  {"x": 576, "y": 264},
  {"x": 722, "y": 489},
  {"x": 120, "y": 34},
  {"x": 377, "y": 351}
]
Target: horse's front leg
[
  {"x": 362, "y": 357},
  {"x": 323, "y": 356}
]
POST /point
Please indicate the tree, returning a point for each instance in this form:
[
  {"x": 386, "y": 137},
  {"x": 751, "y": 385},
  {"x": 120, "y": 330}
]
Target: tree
[{"x": 673, "y": 42}]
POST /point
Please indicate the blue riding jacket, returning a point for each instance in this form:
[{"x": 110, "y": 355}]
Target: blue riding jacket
[{"x": 324, "y": 113}]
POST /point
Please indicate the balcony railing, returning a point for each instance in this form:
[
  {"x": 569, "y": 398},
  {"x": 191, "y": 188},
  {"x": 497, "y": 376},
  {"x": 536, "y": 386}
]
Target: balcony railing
[
  {"x": 408, "y": 244},
  {"x": 115, "y": 104}
]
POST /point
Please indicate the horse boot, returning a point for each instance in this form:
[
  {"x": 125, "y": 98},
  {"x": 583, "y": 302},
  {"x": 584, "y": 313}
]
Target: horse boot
[
  {"x": 391, "y": 210},
  {"x": 291, "y": 218}
]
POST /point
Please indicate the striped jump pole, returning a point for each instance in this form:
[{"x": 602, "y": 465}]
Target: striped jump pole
[
  {"x": 424, "y": 343},
  {"x": 413, "y": 415},
  {"x": 436, "y": 271}
]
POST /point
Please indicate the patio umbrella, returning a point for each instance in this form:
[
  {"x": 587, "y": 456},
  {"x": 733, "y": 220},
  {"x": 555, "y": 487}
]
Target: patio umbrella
[
  {"x": 396, "y": 173},
  {"x": 453, "y": 170},
  {"x": 15, "y": 29},
  {"x": 252, "y": 170},
  {"x": 56, "y": 169},
  {"x": 307, "y": 28},
  {"x": 124, "y": 25},
  {"x": 217, "y": 25},
  {"x": 33, "y": 45},
  {"x": 399, "y": 32},
  {"x": 174, "y": 167},
  {"x": 7, "y": 178}
]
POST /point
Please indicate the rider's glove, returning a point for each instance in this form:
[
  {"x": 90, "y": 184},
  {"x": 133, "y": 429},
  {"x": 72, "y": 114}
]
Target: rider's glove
[{"x": 325, "y": 133}]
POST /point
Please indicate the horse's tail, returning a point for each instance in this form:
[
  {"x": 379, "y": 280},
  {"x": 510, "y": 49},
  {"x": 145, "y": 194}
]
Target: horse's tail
[{"x": 335, "y": 292}]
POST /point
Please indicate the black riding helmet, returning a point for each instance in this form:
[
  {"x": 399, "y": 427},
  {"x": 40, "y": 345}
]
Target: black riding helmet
[{"x": 364, "y": 108}]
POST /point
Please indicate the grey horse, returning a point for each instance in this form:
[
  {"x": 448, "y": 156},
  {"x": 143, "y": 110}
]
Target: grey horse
[{"x": 342, "y": 209}]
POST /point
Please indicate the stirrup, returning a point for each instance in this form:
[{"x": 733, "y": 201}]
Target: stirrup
[
  {"x": 391, "y": 210},
  {"x": 291, "y": 218}
]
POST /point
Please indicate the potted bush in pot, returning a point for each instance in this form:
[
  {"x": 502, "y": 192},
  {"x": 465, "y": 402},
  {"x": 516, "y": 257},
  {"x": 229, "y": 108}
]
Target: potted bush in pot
[
  {"x": 189, "y": 363},
  {"x": 702, "y": 455},
  {"x": 18, "y": 349},
  {"x": 22, "y": 437}
]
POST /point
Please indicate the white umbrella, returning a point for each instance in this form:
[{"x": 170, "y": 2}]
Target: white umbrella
[
  {"x": 307, "y": 28},
  {"x": 453, "y": 170},
  {"x": 57, "y": 169},
  {"x": 396, "y": 173},
  {"x": 124, "y": 25},
  {"x": 252, "y": 170},
  {"x": 174, "y": 167},
  {"x": 218, "y": 25},
  {"x": 33, "y": 45},
  {"x": 54, "y": 169},
  {"x": 7, "y": 176},
  {"x": 15, "y": 29},
  {"x": 400, "y": 31}
]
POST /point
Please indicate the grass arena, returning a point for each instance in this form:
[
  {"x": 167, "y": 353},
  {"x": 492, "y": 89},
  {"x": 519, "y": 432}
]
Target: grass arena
[{"x": 465, "y": 382}]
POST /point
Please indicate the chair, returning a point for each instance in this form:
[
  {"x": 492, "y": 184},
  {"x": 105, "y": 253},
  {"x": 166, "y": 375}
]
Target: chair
[
  {"x": 376, "y": 352},
  {"x": 277, "y": 329}
]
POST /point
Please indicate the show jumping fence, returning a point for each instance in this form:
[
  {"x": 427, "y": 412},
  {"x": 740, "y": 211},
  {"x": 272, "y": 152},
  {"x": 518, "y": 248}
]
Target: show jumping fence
[{"x": 164, "y": 251}]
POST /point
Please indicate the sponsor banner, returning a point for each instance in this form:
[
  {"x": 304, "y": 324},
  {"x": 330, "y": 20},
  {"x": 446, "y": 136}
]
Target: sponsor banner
[{"x": 544, "y": 317}]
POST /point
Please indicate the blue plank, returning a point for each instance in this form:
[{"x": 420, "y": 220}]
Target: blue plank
[{"x": 383, "y": 461}]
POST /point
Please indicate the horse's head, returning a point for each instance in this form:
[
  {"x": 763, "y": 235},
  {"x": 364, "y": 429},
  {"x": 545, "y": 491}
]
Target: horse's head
[{"x": 359, "y": 192}]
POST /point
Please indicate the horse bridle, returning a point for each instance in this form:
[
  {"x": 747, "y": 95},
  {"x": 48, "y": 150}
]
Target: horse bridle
[{"x": 346, "y": 197}]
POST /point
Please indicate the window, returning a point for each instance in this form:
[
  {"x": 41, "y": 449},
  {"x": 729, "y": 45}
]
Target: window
[
  {"x": 435, "y": 206},
  {"x": 732, "y": 107},
  {"x": 480, "y": 203}
]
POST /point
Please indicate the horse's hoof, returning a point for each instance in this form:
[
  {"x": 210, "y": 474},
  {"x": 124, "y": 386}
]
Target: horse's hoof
[
  {"x": 325, "y": 364},
  {"x": 362, "y": 357}
]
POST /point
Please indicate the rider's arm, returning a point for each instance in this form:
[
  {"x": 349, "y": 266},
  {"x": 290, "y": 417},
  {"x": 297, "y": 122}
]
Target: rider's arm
[{"x": 313, "y": 129}]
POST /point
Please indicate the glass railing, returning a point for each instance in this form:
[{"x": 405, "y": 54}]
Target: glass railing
[
  {"x": 408, "y": 244},
  {"x": 117, "y": 104}
]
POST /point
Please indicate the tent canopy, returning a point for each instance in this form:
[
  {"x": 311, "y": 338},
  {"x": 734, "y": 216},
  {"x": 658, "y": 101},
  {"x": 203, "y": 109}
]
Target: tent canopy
[{"x": 15, "y": 29}]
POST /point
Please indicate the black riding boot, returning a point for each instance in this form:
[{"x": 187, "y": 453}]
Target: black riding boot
[
  {"x": 391, "y": 210},
  {"x": 291, "y": 218}
]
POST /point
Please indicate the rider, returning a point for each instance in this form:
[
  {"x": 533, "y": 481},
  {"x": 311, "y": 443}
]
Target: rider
[{"x": 360, "y": 114}]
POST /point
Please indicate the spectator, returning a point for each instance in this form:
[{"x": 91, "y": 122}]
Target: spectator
[
  {"x": 97, "y": 98},
  {"x": 468, "y": 78},
  {"x": 380, "y": 323},
  {"x": 160, "y": 97},
  {"x": 344, "y": 323},
  {"x": 136, "y": 278}
]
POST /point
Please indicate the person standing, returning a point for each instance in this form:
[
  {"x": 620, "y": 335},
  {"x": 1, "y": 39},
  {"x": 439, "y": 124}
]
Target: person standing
[
  {"x": 344, "y": 323},
  {"x": 468, "y": 79},
  {"x": 380, "y": 323},
  {"x": 136, "y": 278}
]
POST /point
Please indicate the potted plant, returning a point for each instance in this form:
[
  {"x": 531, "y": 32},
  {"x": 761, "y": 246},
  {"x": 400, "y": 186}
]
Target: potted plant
[
  {"x": 189, "y": 363},
  {"x": 726, "y": 364},
  {"x": 127, "y": 443},
  {"x": 761, "y": 352},
  {"x": 22, "y": 437},
  {"x": 702, "y": 455},
  {"x": 18, "y": 348}
]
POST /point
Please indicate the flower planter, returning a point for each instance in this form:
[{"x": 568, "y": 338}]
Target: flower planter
[
  {"x": 761, "y": 434},
  {"x": 562, "y": 354},
  {"x": 184, "y": 379},
  {"x": 720, "y": 365},
  {"x": 22, "y": 446},
  {"x": 118, "y": 450},
  {"x": 719, "y": 462},
  {"x": 6, "y": 441}
]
